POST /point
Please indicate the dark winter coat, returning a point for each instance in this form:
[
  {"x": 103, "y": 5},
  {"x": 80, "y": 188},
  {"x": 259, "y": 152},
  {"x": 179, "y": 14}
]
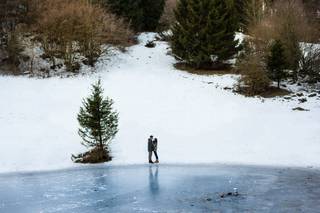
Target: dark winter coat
[
  {"x": 155, "y": 145},
  {"x": 150, "y": 145}
]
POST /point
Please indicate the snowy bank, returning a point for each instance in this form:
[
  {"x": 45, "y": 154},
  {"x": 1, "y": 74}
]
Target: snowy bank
[{"x": 194, "y": 119}]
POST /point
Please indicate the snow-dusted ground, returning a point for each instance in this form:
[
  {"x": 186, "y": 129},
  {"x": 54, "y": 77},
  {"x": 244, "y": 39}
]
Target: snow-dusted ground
[{"x": 195, "y": 120}]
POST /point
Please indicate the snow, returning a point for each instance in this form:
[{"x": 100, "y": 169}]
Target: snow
[
  {"x": 240, "y": 37},
  {"x": 194, "y": 118}
]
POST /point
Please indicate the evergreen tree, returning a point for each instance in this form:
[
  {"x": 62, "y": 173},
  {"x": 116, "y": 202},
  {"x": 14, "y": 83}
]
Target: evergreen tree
[
  {"x": 12, "y": 13},
  {"x": 131, "y": 10},
  {"x": 204, "y": 34},
  {"x": 293, "y": 54},
  {"x": 242, "y": 8},
  {"x": 98, "y": 121},
  {"x": 143, "y": 15},
  {"x": 152, "y": 11},
  {"x": 250, "y": 12},
  {"x": 14, "y": 47},
  {"x": 276, "y": 62}
]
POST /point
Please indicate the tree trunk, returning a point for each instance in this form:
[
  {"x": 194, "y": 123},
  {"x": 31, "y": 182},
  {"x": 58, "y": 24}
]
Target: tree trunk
[{"x": 100, "y": 135}]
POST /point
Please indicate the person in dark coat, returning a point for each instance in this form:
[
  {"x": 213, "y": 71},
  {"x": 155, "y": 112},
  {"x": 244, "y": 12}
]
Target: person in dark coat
[
  {"x": 155, "y": 148},
  {"x": 150, "y": 148}
]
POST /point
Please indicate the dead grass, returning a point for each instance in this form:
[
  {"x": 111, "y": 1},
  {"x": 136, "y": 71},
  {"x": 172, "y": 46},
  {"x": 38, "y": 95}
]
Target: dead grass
[
  {"x": 272, "y": 92},
  {"x": 185, "y": 67},
  {"x": 92, "y": 157},
  {"x": 275, "y": 92}
]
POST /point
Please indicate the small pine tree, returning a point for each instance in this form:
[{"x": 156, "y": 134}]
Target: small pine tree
[
  {"x": 276, "y": 62},
  {"x": 292, "y": 50},
  {"x": 204, "y": 33},
  {"x": 14, "y": 48},
  {"x": 98, "y": 121}
]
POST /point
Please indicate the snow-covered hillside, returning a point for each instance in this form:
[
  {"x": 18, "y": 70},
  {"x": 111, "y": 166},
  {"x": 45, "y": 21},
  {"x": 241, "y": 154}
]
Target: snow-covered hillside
[{"x": 195, "y": 120}]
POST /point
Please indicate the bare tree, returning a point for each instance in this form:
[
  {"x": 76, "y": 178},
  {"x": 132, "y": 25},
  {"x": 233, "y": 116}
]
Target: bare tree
[
  {"x": 69, "y": 28},
  {"x": 286, "y": 21}
]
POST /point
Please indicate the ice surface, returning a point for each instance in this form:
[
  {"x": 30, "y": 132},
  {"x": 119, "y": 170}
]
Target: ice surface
[{"x": 163, "y": 188}]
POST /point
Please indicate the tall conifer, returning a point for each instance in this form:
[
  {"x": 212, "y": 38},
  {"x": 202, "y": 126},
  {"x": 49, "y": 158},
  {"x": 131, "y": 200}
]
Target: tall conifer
[{"x": 204, "y": 33}]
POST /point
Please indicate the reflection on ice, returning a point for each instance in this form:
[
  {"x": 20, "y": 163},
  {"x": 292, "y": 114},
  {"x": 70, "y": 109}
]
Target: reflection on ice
[{"x": 153, "y": 179}]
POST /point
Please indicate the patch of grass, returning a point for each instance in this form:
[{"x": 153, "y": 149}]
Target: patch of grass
[
  {"x": 272, "y": 92},
  {"x": 275, "y": 92},
  {"x": 204, "y": 71},
  {"x": 9, "y": 69}
]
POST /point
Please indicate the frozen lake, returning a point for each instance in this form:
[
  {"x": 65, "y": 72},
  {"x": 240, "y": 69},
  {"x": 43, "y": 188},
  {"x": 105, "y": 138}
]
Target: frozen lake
[{"x": 162, "y": 188}]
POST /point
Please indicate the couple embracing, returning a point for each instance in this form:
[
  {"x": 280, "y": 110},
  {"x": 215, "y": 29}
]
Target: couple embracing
[{"x": 152, "y": 148}]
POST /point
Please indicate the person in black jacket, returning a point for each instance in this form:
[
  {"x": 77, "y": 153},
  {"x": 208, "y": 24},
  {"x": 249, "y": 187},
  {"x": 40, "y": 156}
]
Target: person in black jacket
[
  {"x": 155, "y": 148},
  {"x": 150, "y": 148}
]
